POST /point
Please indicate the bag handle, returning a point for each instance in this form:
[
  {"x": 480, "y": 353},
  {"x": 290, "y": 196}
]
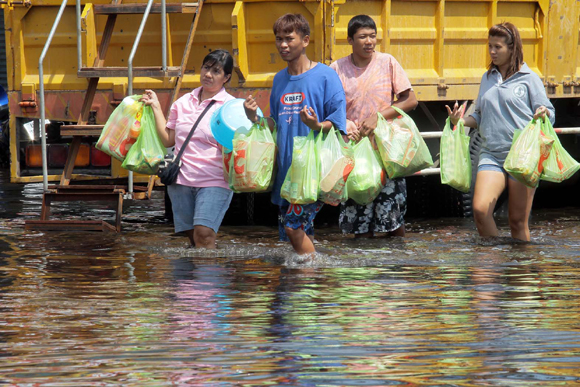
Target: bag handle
[
  {"x": 263, "y": 124},
  {"x": 186, "y": 141}
]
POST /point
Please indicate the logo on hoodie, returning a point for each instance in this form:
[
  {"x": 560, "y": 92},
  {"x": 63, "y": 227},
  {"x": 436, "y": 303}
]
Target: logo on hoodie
[{"x": 519, "y": 91}]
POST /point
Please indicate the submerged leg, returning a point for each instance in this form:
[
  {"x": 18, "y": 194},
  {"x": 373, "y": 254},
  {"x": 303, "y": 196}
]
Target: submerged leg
[
  {"x": 519, "y": 208},
  {"x": 488, "y": 187},
  {"x": 302, "y": 243}
]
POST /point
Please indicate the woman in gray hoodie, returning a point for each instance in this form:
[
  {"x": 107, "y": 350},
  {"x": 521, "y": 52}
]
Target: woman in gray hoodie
[{"x": 510, "y": 95}]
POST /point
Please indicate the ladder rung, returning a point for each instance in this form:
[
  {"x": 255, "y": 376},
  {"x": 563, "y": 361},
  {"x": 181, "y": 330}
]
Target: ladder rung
[
  {"x": 108, "y": 72},
  {"x": 81, "y": 130},
  {"x": 115, "y": 9},
  {"x": 95, "y": 187},
  {"x": 69, "y": 225}
]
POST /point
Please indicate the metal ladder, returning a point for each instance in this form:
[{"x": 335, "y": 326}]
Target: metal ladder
[{"x": 64, "y": 192}]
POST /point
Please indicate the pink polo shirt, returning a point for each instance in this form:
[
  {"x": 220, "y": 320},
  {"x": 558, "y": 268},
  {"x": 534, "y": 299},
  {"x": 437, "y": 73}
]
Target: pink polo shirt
[{"x": 202, "y": 160}]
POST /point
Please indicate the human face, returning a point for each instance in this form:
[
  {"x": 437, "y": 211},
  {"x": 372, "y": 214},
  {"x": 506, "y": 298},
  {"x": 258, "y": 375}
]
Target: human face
[
  {"x": 499, "y": 51},
  {"x": 291, "y": 45},
  {"x": 363, "y": 43},
  {"x": 213, "y": 77}
]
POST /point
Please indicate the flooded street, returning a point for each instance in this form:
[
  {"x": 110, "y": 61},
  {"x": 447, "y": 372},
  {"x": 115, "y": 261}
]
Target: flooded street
[{"x": 440, "y": 307}]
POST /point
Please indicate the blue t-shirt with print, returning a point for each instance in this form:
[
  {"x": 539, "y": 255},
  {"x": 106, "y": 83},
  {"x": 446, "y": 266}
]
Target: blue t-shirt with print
[{"x": 319, "y": 88}]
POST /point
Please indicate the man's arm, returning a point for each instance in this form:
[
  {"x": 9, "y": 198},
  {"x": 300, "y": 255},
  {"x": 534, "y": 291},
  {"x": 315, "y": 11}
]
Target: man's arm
[{"x": 406, "y": 101}]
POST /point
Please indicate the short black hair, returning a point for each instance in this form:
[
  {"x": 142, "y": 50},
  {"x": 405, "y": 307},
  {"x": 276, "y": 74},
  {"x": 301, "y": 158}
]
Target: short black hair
[
  {"x": 358, "y": 22},
  {"x": 292, "y": 22},
  {"x": 220, "y": 58}
]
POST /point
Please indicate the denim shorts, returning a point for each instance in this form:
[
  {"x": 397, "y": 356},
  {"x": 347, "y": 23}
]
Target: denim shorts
[
  {"x": 488, "y": 162},
  {"x": 297, "y": 216},
  {"x": 195, "y": 206}
]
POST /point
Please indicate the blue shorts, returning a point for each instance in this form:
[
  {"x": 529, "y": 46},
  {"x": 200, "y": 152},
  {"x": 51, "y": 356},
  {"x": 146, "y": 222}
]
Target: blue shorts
[
  {"x": 193, "y": 206},
  {"x": 297, "y": 216},
  {"x": 488, "y": 162}
]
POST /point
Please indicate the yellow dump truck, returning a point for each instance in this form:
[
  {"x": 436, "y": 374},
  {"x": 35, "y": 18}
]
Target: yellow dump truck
[{"x": 441, "y": 44}]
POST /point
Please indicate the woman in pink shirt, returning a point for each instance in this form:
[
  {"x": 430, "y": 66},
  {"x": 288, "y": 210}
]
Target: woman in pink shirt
[{"x": 200, "y": 197}]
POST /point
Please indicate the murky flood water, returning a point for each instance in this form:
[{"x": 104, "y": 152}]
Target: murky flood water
[{"x": 437, "y": 308}]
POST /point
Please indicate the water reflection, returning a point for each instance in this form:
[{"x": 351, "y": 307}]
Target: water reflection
[{"x": 440, "y": 307}]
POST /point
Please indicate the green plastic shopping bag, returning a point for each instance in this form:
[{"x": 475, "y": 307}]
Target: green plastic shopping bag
[
  {"x": 336, "y": 161},
  {"x": 122, "y": 128},
  {"x": 252, "y": 159},
  {"x": 301, "y": 182},
  {"x": 530, "y": 149},
  {"x": 368, "y": 177},
  {"x": 560, "y": 165},
  {"x": 454, "y": 157},
  {"x": 395, "y": 143},
  {"x": 148, "y": 151},
  {"x": 421, "y": 158}
]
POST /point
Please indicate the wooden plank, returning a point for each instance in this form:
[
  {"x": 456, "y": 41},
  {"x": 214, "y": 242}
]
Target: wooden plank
[
  {"x": 185, "y": 57},
  {"x": 96, "y": 187},
  {"x": 108, "y": 72},
  {"x": 80, "y": 127},
  {"x": 88, "y": 187},
  {"x": 84, "y": 132},
  {"x": 84, "y": 196},
  {"x": 69, "y": 225},
  {"x": 112, "y": 9},
  {"x": 70, "y": 160}
]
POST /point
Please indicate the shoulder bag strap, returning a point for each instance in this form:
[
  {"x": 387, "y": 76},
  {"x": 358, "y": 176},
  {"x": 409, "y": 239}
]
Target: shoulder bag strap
[{"x": 186, "y": 141}]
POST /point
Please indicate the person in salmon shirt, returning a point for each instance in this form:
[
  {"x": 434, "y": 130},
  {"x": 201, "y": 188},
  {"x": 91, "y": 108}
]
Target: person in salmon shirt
[
  {"x": 200, "y": 196},
  {"x": 373, "y": 82}
]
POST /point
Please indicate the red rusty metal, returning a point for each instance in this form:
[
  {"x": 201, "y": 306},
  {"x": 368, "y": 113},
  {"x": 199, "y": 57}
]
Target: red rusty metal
[{"x": 66, "y": 105}]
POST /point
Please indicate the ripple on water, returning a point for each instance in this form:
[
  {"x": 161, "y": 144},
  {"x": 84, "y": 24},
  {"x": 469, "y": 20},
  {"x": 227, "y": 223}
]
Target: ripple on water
[{"x": 439, "y": 307}]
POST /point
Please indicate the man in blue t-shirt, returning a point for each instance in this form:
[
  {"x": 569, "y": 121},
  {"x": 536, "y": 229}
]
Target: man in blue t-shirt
[{"x": 302, "y": 93}]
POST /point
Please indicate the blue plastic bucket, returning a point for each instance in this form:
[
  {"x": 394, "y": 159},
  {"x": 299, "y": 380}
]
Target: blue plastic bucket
[{"x": 229, "y": 118}]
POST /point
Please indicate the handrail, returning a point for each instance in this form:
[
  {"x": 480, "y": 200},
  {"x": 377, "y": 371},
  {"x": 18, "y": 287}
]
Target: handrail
[
  {"x": 135, "y": 45},
  {"x": 133, "y": 52},
  {"x": 163, "y": 36},
  {"x": 130, "y": 74},
  {"x": 79, "y": 40},
  {"x": 41, "y": 92}
]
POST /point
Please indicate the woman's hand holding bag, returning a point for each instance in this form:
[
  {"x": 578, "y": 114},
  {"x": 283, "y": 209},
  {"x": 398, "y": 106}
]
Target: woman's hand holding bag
[{"x": 454, "y": 157}]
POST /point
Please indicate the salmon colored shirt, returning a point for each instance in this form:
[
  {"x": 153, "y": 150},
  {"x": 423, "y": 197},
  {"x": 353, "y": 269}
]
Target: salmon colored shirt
[
  {"x": 202, "y": 160},
  {"x": 372, "y": 88}
]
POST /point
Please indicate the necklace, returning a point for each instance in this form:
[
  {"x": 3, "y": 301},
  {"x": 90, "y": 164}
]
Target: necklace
[{"x": 354, "y": 63}]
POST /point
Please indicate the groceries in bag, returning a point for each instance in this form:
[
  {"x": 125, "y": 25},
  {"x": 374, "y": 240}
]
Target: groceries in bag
[
  {"x": 560, "y": 165},
  {"x": 148, "y": 151},
  {"x": 226, "y": 163},
  {"x": 252, "y": 160},
  {"x": 336, "y": 161},
  {"x": 420, "y": 160},
  {"x": 122, "y": 128},
  {"x": 301, "y": 182},
  {"x": 530, "y": 149},
  {"x": 395, "y": 142},
  {"x": 368, "y": 177},
  {"x": 454, "y": 157}
]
